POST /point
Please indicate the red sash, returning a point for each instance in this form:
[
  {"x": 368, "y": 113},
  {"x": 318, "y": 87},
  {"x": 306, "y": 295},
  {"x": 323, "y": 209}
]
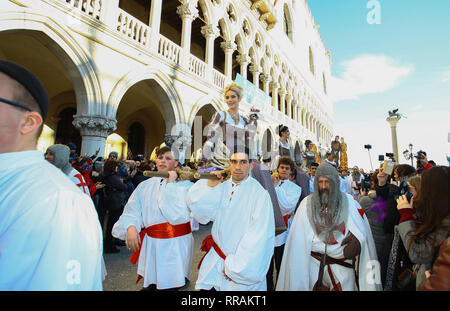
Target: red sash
[
  {"x": 161, "y": 231},
  {"x": 286, "y": 219},
  {"x": 207, "y": 243}
]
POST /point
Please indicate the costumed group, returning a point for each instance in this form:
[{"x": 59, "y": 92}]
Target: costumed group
[{"x": 265, "y": 217}]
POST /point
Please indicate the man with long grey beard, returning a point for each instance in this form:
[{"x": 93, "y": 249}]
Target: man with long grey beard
[{"x": 330, "y": 245}]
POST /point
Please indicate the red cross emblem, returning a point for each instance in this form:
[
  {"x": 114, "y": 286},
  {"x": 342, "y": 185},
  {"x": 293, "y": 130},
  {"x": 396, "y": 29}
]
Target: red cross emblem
[{"x": 82, "y": 183}]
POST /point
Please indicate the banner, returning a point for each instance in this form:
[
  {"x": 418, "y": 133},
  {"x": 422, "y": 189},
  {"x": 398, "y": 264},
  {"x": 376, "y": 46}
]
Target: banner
[{"x": 253, "y": 95}]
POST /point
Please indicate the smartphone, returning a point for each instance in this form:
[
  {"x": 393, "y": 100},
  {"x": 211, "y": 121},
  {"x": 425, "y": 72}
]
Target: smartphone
[{"x": 388, "y": 167}]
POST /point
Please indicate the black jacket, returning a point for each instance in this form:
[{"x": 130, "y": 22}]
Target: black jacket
[
  {"x": 115, "y": 192},
  {"x": 389, "y": 192}
]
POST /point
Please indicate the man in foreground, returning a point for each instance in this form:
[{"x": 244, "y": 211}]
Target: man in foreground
[
  {"x": 50, "y": 236},
  {"x": 156, "y": 225},
  {"x": 241, "y": 245},
  {"x": 330, "y": 245}
]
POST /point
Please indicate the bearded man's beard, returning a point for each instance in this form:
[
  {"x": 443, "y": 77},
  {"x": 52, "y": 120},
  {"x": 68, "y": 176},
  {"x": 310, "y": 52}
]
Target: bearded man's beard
[
  {"x": 324, "y": 196},
  {"x": 325, "y": 219}
]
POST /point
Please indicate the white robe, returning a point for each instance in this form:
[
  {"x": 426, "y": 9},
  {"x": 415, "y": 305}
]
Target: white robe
[
  {"x": 164, "y": 262},
  {"x": 79, "y": 181},
  {"x": 299, "y": 270},
  {"x": 288, "y": 194},
  {"x": 50, "y": 235},
  {"x": 243, "y": 228}
]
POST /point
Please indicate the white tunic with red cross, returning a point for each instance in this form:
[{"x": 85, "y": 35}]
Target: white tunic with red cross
[{"x": 79, "y": 180}]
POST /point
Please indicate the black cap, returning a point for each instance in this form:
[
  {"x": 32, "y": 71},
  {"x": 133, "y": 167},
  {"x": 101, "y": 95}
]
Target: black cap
[{"x": 29, "y": 81}]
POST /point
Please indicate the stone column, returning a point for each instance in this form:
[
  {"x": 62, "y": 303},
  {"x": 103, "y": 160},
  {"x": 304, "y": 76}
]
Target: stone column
[
  {"x": 274, "y": 87},
  {"x": 289, "y": 100},
  {"x": 282, "y": 100},
  {"x": 254, "y": 69},
  {"x": 188, "y": 14},
  {"x": 228, "y": 48},
  {"x": 243, "y": 60},
  {"x": 108, "y": 13},
  {"x": 94, "y": 130},
  {"x": 154, "y": 23},
  {"x": 210, "y": 32},
  {"x": 393, "y": 120},
  {"x": 265, "y": 78}
]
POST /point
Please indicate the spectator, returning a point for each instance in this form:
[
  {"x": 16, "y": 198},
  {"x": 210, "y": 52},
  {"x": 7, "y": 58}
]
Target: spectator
[
  {"x": 367, "y": 201},
  {"x": 73, "y": 153},
  {"x": 387, "y": 192},
  {"x": 114, "y": 201},
  {"x": 355, "y": 180},
  {"x": 124, "y": 172},
  {"x": 422, "y": 162},
  {"x": 439, "y": 278},
  {"x": 423, "y": 228},
  {"x": 58, "y": 155},
  {"x": 98, "y": 198},
  {"x": 312, "y": 172},
  {"x": 113, "y": 155}
]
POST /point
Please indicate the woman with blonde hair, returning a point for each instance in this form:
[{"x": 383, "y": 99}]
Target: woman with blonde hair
[{"x": 229, "y": 129}]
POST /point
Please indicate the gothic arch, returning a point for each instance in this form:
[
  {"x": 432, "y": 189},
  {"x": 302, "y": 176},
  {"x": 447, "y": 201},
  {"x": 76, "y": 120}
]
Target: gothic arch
[{"x": 65, "y": 48}]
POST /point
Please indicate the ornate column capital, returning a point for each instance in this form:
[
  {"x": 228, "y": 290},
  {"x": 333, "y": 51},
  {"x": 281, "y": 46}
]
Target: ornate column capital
[
  {"x": 274, "y": 85},
  {"x": 228, "y": 46},
  {"x": 188, "y": 10},
  {"x": 210, "y": 30},
  {"x": 179, "y": 141},
  {"x": 254, "y": 68},
  {"x": 243, "y": 59},
  {"x": 265, "y": 78},
  {"x": 99, "y": 126}
]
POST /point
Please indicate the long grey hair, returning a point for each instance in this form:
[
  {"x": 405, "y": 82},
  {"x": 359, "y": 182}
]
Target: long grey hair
[{"x": 327, "y": 210}]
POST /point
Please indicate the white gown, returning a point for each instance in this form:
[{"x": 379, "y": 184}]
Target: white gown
[
  {"x": 164, "y": 262},
  {"x": 299, "y": 270},
  {"x": 50, "y": 235},
  {"x": 244, "y": 230},
  {"x": 288, "y": 194}
]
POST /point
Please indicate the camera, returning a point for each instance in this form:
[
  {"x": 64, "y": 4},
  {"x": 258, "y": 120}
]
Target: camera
[
  {"x": 404, "y": 190},
  {"x": 390, "y": 155}
]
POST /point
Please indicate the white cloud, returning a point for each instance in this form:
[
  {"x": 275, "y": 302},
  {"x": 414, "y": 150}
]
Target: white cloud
[
  {"x": 446, "y": 75},
  {"x": 367, "y": 74}
]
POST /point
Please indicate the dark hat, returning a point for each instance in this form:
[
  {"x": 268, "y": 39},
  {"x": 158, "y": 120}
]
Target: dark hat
[
  {"x": 29, "y": 81},
  {"x": 72, "y": 146}
]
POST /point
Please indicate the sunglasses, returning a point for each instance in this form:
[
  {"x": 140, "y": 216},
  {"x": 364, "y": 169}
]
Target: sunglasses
[{"x": 14, "y": 104}]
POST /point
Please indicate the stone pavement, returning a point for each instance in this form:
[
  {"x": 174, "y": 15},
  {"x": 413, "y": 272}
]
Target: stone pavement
[{"x": 122, "y": 274}]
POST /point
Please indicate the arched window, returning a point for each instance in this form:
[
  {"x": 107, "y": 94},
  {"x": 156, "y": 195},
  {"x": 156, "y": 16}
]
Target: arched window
[
  {"x": 66, "y": 132},
  {"x": 311, "y": 60},
  {"x": 324, "y": 83},
  {"x": 136, "y": 138},
  {"x": 287, "y": 22}
]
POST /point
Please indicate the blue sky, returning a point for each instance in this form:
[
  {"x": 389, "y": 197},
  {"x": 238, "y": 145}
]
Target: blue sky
[{"x": 403, "y": 62}]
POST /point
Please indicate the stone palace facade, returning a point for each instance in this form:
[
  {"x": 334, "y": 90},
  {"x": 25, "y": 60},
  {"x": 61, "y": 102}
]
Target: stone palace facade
[{"x": 126, "y": 75}]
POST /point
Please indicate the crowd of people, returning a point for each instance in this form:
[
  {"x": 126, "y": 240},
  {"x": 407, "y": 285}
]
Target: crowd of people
[{"x": 279, "y": 226}]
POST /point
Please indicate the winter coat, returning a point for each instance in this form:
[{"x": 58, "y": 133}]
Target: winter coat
[
  {"x": 115, "y": 192},
  {"x": 366, "y": 203}
]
